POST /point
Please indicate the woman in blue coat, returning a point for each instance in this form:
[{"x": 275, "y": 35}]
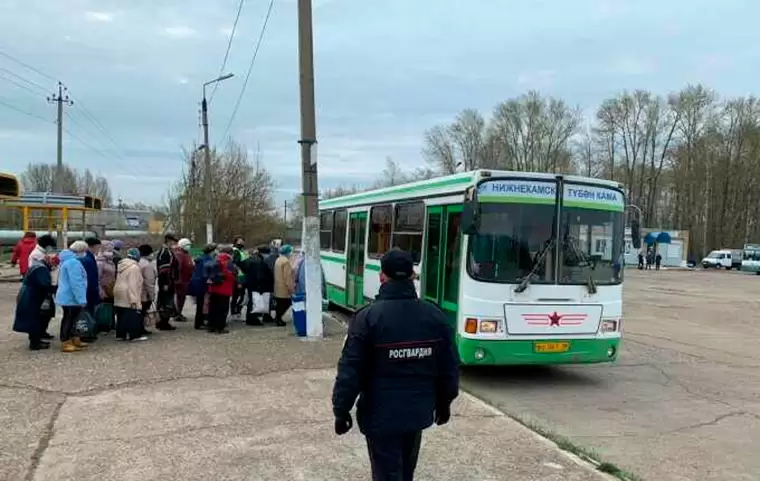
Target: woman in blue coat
[
  {"x": 71, "y": 294},
  {"x": 198, "y": 285},
  {"x": 31, "y": 316}
]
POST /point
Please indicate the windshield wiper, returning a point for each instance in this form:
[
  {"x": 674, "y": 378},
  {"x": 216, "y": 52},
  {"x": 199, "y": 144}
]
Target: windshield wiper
[
  {"x": 584, "y": 259},
  {"x": 536, "y": 265}
]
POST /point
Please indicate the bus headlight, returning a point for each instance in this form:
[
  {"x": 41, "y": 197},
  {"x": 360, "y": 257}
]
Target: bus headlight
[
  {"x": 489, "y": 326},
  {"x": 610, "y": 325},
  {"x": 479, "y": 354}
]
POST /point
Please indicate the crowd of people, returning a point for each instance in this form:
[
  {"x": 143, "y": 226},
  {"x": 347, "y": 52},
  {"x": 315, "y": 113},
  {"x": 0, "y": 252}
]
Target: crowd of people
[{"x": 103, "y": 285}]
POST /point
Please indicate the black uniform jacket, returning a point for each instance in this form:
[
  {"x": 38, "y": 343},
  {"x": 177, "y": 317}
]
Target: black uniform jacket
[{"x": 399, "y": 359}]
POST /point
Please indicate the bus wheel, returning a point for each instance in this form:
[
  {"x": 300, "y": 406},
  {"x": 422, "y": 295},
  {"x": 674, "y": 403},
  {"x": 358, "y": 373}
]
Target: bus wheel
[{"x": 728, "y": 268}]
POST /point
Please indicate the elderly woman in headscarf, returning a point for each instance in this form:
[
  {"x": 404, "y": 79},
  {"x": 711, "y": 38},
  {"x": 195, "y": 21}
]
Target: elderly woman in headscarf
[
  {"x": 32, "y": 313},
  {"x": 106, "y": 280},
  {"x": 185, "y": 269},
  {"x": 128, "y": 298},
  {"x": 284, "y": 284},
  {"x": 71, "y": 294}
]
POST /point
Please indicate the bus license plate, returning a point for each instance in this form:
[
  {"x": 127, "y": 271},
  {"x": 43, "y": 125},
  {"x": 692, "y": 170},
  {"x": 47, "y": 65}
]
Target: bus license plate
[{"x": 549, "y": 347}]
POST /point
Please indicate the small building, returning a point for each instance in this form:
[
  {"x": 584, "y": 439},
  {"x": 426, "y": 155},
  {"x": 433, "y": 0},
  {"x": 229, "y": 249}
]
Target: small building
[{"x": 674, "y": 253}]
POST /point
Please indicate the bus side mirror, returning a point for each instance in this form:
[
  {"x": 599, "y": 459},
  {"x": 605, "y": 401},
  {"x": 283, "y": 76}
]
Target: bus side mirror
[
  {"x": 470, "y": 212},
  {"x": 635, "y": 234}
]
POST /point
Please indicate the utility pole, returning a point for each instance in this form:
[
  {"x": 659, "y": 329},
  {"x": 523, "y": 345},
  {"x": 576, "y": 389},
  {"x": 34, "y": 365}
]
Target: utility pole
[
  {"x": 207, "y": 160},
  {"x": 310, "y": 232},
  {"x": 61, "y": 99},
  {"x": 207, "y": 171}
]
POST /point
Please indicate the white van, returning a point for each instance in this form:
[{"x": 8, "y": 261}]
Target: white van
[{"x": 723, "y": 258}]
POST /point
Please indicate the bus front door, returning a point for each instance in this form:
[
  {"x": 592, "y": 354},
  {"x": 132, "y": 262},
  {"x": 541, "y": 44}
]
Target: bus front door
[
  {"x": 443, "y": 245},
  {"x": 357, "y": 233}
]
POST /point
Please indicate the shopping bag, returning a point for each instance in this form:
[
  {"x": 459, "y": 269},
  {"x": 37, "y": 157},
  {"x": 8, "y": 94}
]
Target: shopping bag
[
  {"x": 104, "y": 317},
  {"x": 86, "y": 326},
  {"x": 259, "y": 303},
  {"x": 288, "y": 316},
  {"x": 151, "y": 317}
]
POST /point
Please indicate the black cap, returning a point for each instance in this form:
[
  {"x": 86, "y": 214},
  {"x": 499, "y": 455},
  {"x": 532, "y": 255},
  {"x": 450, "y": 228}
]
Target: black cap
[
  {"x": 397, "y": 264},
  {"x": 171, "y": 237},
  {"x": 92, "y": 241}
]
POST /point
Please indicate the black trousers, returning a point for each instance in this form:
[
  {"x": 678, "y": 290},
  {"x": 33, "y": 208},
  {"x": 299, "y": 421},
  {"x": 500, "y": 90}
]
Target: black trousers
[
  {"x": 68, "y": 321},
  {"x": 218, "y": 308},
  {"x": 200, "y": 317},
  {"x": 238, "y": 296},
  {"x": 394, "y": 457},
  {"x": 129, "y": 323},
  {"x": 281, "y": 306}
]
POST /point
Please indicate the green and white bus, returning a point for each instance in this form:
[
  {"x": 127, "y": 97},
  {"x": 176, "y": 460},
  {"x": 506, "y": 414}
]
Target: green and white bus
[
  {"x": 751, "y": 258},
  {"x": 527, "y": 266}
]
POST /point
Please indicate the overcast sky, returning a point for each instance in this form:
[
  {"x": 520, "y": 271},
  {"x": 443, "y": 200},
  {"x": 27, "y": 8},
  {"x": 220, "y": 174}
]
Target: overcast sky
[{"x": 385, "y": 71}]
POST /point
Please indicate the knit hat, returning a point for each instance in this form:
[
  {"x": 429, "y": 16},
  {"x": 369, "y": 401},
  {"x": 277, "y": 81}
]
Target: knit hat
[
  {"x": 133, "y": 254},
  {"x": 118, "y": 245},
  {"x": 286, "y": 250},
  {"x": 184, "y": 243}
]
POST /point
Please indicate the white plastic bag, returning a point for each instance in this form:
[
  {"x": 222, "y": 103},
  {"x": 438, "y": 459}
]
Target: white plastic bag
[{"x": 259, "y": 303}]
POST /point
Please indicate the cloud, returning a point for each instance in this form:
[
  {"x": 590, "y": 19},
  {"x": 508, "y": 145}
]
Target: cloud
[
  {"x": 183, "y": 80},
  {"x": 538, "y": 80},
  {"x": 99, "y": 16},
  {"x": 633, "y": 66},
  {"x": 179, "y": 31}
]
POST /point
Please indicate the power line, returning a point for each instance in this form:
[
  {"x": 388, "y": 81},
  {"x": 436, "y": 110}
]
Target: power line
[
  {"x": 91, "y": 118},
  {"x": 24, "y": 79},
  {"x": 229, "y": 46},
  {"x": 6, "y": 104},
  {"x": 20, "y": 85},
  {"x": 250, "y": 68},
  {"x": 33, "y": 69},
  {"x": 76, "y": 122}
]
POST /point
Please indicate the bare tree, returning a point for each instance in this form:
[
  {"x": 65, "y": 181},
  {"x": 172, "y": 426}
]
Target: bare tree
[
  {"x": 241, "y": 202},
  {"x": 40, "y": 177}
]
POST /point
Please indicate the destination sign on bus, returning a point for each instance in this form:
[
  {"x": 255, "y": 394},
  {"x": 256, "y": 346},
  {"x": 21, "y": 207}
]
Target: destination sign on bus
[
  {"x": 593, "y": 197},
  {"x": 517, "y": 191}
]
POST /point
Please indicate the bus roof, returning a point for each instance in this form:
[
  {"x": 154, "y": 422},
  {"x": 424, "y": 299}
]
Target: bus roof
[{"x": 450, "y": 184}]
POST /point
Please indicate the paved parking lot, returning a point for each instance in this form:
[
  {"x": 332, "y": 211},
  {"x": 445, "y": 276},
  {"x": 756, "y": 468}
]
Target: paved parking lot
[{"x": 683, "y": 400}]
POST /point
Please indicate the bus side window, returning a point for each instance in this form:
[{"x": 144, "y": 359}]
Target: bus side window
[
  {"x": 380, "y": 230},
  {"x": 325, "y": 230}
]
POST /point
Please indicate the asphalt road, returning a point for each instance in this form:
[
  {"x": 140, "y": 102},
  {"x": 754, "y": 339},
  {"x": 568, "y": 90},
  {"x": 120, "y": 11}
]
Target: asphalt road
[{"x": 683, "y": 400}]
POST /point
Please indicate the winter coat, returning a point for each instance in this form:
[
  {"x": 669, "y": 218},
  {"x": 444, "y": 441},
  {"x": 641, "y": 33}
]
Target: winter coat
[
  {"x": 185, "y": 267},
  {"x": 301, "y": 278},
  {"x": 129, "y": 284},
  {"x": 35, "y": 288},
  {"x": 21, "y": 252},
  {"x": 167, "y": 267},
  {"x": 197, "y": 287},
  {"x": 72, "y": 281},
  {"x": 223, "y": 275},
  {"x": 149, "y": 276},
  {"x": 106, "y": 274},
  {"x": 258, "y": 276},
  {"x": 284, "y": 283},
  {"x": 93, "y": 281}
]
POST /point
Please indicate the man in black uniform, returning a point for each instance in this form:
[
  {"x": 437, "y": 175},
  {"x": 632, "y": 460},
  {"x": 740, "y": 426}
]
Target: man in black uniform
[{"x": 399, "y": 359}]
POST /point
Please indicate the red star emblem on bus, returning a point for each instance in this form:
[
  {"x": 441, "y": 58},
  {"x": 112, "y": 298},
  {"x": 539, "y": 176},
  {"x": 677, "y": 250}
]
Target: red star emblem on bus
[{"x": 554, "y": 319}]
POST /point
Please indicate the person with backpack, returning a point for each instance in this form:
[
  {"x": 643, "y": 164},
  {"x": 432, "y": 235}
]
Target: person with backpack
[
  {"x": 198, "y": 287},
  {"x": 222, "y": 277}
]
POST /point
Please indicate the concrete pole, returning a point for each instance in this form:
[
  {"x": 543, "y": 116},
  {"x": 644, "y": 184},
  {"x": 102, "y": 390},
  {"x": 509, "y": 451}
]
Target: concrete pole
[
  {"x": 207, "y": 170},
  {"x": 310, "y": 234}
]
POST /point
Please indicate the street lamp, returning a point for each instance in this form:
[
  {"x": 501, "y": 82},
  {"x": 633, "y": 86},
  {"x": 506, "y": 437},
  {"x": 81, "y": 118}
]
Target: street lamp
[{"x": 207, "y": 160}]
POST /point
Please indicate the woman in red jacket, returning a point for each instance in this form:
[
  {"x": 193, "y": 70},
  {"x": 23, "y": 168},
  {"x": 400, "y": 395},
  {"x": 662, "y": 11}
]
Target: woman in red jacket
[
  {"x": 21, "y": 252},
  {"x": 222, "y": 277}
]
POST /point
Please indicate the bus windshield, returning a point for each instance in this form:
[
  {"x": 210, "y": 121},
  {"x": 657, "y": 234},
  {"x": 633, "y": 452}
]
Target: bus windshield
[
  {"x": 512, "y": 239},
  {"x": 592, "y": 246},
  {"x": 517, "y": 241}
]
